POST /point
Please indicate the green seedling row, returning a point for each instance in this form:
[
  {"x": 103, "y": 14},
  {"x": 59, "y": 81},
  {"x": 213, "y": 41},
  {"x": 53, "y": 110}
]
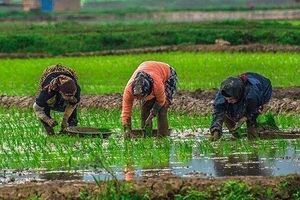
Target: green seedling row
[
  {"x": 24, "y": 144},
  {"x": 123, "y": 33},
  {"x": 109, "y": 74}
]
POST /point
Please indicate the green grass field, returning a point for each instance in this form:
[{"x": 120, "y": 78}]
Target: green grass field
[{"x": 109, "y": 74}]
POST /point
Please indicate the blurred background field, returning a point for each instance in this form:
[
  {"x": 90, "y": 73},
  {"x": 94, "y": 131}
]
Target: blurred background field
[
  {"x": 195, "y": 70},
  {"x": 58, "y": 27},
  {"x": 121, "y": 6}
]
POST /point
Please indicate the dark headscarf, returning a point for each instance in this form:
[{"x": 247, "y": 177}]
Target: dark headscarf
[
  {"x": 232, "y": 87},
  {"x": 142, "y": 84},
  {"x": 68, "y": 87}
]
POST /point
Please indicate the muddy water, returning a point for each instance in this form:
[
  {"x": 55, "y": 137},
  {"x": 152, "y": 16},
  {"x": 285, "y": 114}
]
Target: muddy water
[{"x": 276, "y": 163}]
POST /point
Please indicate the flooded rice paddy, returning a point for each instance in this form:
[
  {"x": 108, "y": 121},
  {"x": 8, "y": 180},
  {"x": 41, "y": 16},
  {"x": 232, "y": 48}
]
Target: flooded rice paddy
[{"x": 277, "y": 160}]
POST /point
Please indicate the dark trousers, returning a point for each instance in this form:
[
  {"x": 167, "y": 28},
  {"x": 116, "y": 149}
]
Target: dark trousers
[{"x": 162, "y": 117}]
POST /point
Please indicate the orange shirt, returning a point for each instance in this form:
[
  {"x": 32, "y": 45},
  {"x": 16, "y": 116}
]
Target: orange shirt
[{"x": 160, "y": 73}]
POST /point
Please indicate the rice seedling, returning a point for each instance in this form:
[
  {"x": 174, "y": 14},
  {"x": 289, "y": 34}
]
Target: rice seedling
[
  {"x": 24, "y": 144},
  {"x": 210, "y": 68}
]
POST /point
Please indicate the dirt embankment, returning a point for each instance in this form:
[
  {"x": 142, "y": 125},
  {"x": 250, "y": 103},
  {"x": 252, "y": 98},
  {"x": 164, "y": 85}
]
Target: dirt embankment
[
  {"x": 199, "y": 101},
  {"x": 186, "y": 48},
  {"x": 162, "y": 187}
]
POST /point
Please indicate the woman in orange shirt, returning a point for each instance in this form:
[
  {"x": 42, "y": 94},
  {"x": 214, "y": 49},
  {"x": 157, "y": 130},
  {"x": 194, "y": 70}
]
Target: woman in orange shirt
[{"x": 154, "y": 83}]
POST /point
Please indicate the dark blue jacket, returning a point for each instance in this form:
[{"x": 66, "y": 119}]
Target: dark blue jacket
[
  {"x": 53, "y": 100},
  {"x": 258, "y": 91}
]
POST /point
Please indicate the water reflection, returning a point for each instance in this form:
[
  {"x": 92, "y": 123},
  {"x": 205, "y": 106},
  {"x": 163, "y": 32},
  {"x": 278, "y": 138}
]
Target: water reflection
[
  {"x": 274, "y": 162},
  {"x": 187, "y": 161},
  {"x": 241, "y": 165},
  {"x": 132, "y": 171}
]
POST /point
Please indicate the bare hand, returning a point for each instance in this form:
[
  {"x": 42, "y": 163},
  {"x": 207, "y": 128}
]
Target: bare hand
[
  {"x": 52, "y": 123},
  {"x": 215, "y": 134}
]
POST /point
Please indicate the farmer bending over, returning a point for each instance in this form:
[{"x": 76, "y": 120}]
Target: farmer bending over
[
  {"x": 154, "y": 84},
  {"x": 59, "y": 91},
  {"x": 240, "y": 99}
]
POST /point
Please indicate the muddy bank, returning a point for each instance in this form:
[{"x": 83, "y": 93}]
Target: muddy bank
[
  {"x": 186, "y": 48},
  {"x": 200, "y": 101},
  {"x": 160, "y": 187}
]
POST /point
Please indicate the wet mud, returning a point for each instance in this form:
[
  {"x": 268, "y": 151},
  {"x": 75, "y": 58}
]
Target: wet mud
[
  {"x": 157, "y": 187},
  {"x": 170, "y": 48},
  {"x": 199, "y": 101}
]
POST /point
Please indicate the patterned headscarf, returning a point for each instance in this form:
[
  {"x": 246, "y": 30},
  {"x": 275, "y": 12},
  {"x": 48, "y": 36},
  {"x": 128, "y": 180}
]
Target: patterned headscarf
[
  {"x": 142, "y": 84},
  {"x": 64, "y": 84},
  {"x": 59, "y": 68}
]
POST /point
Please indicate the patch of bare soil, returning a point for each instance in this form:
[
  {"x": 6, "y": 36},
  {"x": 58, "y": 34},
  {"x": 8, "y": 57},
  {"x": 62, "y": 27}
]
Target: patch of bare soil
[
  {"x": 157, "y": 187},
  {"x": 186, "y": 48},
  {"x": 199, "y": 101}
]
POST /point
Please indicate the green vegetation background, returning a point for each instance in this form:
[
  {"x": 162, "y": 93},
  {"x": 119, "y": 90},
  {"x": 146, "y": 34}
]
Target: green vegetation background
[
  {"x": 109, "y": 74},
  {"x": 69, "y": 37}
]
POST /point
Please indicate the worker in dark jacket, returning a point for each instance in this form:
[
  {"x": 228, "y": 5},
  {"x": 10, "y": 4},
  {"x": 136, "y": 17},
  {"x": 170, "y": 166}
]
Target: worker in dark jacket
[
  {"x": 59, "y": 91},
  {"x": 240, "y": 99}
]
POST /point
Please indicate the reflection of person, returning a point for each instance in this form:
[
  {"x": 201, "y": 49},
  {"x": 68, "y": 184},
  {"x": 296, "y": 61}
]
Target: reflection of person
[
  {"x": 241, "y": 165},
  {"x": 129, "y": 173},
  {"x": 240, "y": 99},
  {"x": 150, "y": 163},
  {"x": 59, "y": 91},
  {"x": 154, "y": 83}
]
